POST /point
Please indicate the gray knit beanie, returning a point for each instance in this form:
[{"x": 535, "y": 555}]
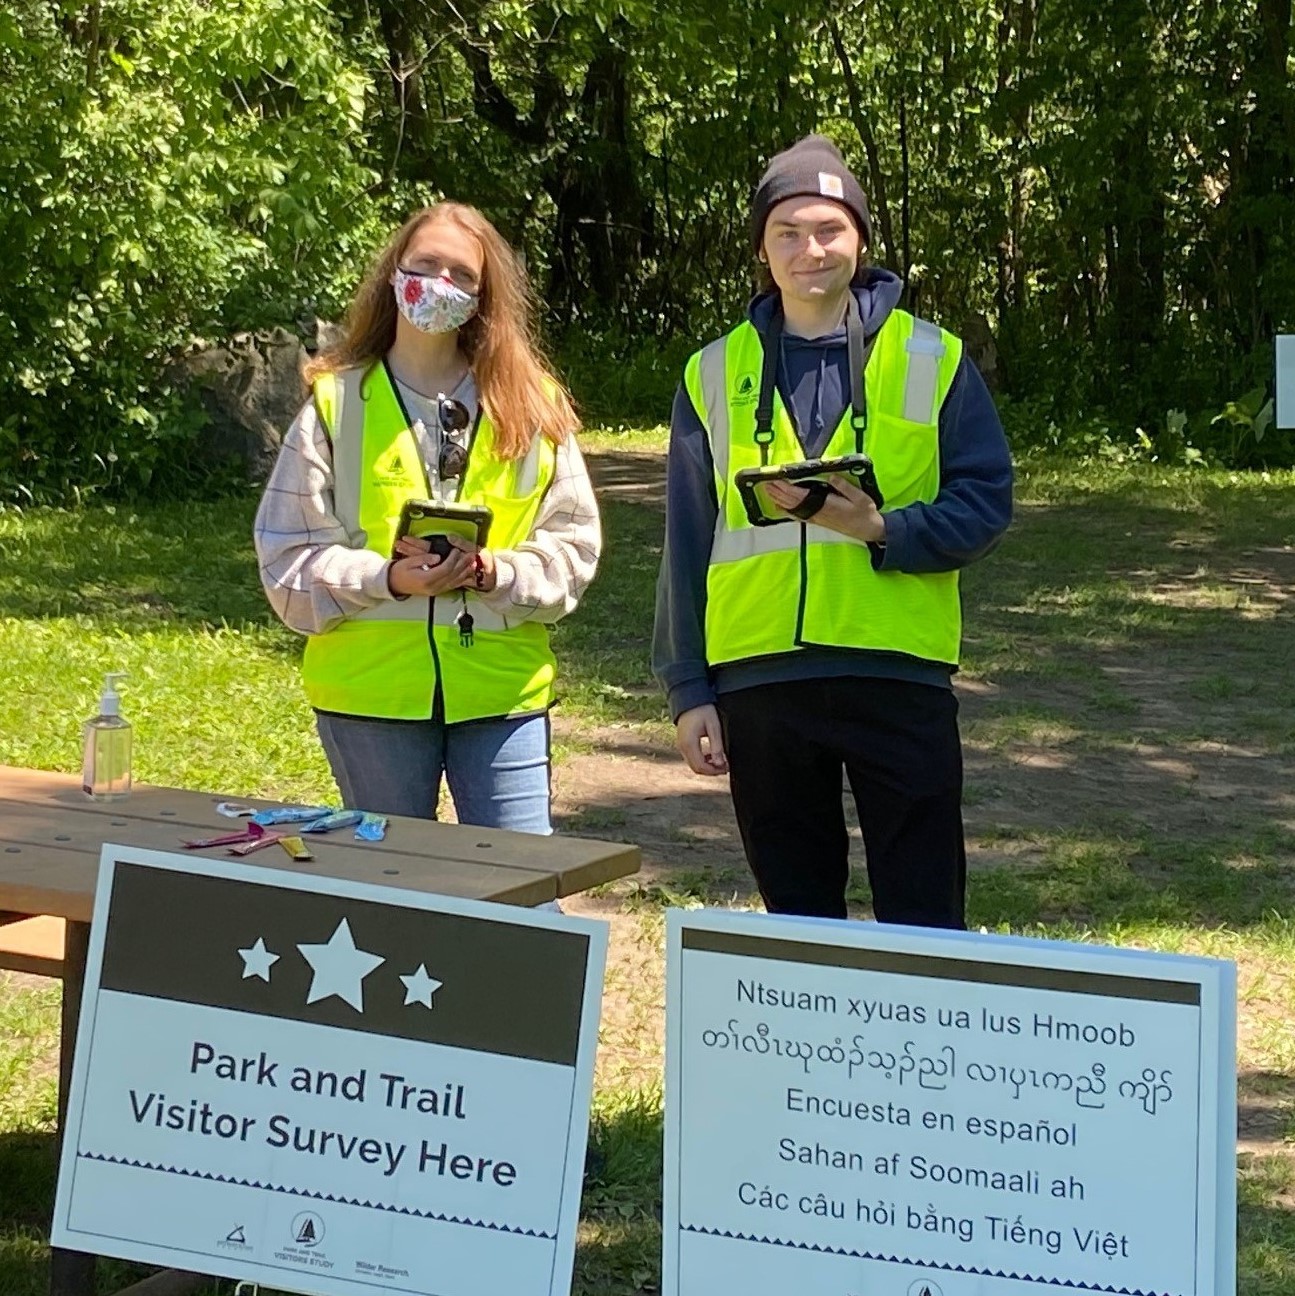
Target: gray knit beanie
[{"x": 811, "y": 168}]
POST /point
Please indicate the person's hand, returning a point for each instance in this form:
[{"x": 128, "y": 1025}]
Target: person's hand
[
  {"x": 488, "y": 574},
  {"x": 850, "y": 511},
  {"x": 425, "y": 574},
  {"x": 701, "y": 740},
  {"x": 419, "y": 547},
  {"x": 412, "y": 547}
]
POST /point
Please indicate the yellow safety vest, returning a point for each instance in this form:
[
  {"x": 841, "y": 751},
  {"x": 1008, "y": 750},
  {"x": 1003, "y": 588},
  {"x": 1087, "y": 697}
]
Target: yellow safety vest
[
  {"x": 397, "y": 659},
  {"x": 794, "y": 585}
]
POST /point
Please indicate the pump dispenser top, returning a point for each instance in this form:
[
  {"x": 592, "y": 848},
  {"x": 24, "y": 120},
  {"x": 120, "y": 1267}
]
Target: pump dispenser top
[
  {"x": 106, "y": 747},
  {"x": 110, "y": 700}
]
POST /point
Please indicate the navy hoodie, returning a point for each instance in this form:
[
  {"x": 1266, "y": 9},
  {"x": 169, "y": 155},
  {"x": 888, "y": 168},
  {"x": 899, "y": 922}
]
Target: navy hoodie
[{"x": 964, "y": 521}]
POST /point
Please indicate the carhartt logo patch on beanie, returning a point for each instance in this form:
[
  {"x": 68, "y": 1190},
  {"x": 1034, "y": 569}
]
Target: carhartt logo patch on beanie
[{"x": 811, "y": 168}]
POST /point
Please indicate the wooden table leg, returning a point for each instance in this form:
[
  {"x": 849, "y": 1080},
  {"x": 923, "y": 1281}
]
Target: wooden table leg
[{"x": 71, "y": 1273}]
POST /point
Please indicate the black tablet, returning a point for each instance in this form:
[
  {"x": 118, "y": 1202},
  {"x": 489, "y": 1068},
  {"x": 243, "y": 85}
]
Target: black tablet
[
  {"x": 760, "y": 511},
  {"x": 425, "y": 518}
]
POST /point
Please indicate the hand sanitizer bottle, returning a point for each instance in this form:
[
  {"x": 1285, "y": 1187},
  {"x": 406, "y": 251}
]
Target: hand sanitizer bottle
[{"x": 105, "y": 768}]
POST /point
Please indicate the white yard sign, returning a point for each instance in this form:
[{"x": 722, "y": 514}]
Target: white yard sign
[
  {"x": 853, "y": 1110},
  {"x": 329, "y": 1087},
  {"x": 1284, "y": 413}
]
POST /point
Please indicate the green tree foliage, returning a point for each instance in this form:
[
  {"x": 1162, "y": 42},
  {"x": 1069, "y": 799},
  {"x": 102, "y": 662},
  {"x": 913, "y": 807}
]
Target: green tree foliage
[
  {"x": 1108, "y": 185},
  {"x": 166, "y": 170}
]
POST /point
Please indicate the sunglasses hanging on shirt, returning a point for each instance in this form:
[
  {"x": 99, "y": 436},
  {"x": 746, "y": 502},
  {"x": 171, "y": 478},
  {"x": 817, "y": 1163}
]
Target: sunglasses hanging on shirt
[{"x": 454, "y": 419}]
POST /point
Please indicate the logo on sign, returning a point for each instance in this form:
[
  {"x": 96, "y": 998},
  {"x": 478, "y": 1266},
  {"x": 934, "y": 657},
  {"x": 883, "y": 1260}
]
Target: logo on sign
[
  {"x": 924, "y": 1287},
  {"x": 235, "y": 1240},
  {"x": 307, "y": 1229}
]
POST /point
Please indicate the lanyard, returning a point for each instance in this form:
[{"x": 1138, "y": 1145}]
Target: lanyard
[{"x": 858, "y": 348}]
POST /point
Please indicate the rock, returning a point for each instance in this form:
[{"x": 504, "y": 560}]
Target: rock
[
  {"x": 251, "y": 389},
  {"x": 317, "y": 334}
]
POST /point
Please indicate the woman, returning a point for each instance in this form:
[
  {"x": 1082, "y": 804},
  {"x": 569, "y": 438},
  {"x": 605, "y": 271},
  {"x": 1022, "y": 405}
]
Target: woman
[{"x": 418, "y": 663}]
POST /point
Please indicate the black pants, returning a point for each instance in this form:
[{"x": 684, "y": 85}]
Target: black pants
[{"x": 900, "y": 748}]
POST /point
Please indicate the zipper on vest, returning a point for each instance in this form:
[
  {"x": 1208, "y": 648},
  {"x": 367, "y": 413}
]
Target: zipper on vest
[
  {"x": 804, "y": 585},
  {"x": 438, "y": 693}
]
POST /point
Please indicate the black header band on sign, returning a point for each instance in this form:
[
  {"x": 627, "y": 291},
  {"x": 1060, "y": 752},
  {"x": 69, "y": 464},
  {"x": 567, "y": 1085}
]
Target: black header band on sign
[
  {"x": 944, "y": 969},
  {"x": 508, "y": 989}
]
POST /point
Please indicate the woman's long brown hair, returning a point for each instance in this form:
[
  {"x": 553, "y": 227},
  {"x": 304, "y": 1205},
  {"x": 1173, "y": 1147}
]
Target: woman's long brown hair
[{"x": 518, "y": 388}]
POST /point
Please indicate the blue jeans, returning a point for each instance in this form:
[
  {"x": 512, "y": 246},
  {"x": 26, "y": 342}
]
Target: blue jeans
[{"x": 498, "y": 770}]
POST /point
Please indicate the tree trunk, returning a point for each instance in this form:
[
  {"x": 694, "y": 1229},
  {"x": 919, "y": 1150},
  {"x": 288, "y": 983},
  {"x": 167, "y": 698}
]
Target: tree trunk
[
  {"x": 859, "y": 115},
  {"x": 1138, "y": 204},
  {"x": 93, "y": 20},
  {"x": 905, "y": 215},
  {"x": 1016, "y": 29},
  {"x": 402, "y": 68},
  {"x": 1264, "y": 170},
  {"x": 602, "y": 220}
]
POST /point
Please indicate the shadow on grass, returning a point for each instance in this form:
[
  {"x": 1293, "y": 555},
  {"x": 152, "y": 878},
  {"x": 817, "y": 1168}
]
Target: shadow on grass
[
  {"x": 193, "y": 566},
  {"x": 1097, "y": 841},
  {"x": 138, "y": 569},
  {"x": 1265, "y": 1230},
  {"x": 1095, "y": 566},
  {"x": 1266, "y": 1110},
  {"x": 604, "y": 649},
  {"x": 619, "y": 1252}
]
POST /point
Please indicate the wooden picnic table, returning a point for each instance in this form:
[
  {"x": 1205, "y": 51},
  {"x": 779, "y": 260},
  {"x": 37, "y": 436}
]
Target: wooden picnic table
[{"x": 51, "y": 834}]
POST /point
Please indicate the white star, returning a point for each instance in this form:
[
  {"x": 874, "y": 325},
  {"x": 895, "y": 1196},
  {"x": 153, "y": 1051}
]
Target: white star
[
  {"x": 419, "y": 987},
  {"x": 339, "y": 968},
  {"x": 258, "y": 960}
]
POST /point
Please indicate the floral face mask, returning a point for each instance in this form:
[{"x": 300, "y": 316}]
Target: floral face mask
[{"x": 432, "y": 303}]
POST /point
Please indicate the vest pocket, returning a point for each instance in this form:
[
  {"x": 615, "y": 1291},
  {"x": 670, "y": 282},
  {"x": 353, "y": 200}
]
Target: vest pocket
[
  {"x": 849, "y": 605},
  {"x": 375, "y": 668},
  {"x": 503, "y": 672},
  {"x": 838, "y": 594},
  {"x": 906, "y": 456}
]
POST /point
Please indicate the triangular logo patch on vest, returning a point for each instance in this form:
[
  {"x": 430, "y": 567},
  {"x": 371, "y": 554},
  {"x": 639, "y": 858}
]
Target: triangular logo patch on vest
[
  {"x": 391, "y": 470},
  {"x": 745, "y": 389}
]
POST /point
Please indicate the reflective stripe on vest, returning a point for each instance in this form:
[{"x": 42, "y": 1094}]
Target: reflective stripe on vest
[
  {"x": 925, "y": 349},
  {"x": 348, "y": 454},
  {"x": 445, "y": 612},
  {"x": 393, "y": 659},
  {"x": 775, "y": 589}
]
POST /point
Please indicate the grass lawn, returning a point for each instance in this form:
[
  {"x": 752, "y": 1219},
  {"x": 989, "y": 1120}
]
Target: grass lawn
[{"x": 1128, "y": 715}]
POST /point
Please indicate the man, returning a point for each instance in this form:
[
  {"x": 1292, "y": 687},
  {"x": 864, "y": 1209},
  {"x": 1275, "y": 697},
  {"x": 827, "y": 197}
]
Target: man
[{"x": 829, "y": 639}]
